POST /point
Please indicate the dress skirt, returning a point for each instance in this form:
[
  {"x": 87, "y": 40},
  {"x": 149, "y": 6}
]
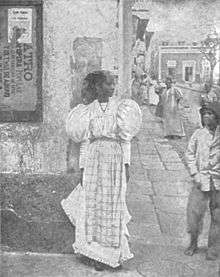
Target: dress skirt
[
  {"x": 98, "y": 209},
  {"x": 173, "y": 125}
]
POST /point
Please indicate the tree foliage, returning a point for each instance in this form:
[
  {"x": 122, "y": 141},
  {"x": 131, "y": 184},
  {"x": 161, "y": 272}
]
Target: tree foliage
[{"x": 209, "y": 48}]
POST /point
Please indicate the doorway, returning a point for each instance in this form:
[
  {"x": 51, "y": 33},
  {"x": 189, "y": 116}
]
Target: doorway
[
  {"x": 188, "y": 71},
  {"x": 188, "y": 74}
]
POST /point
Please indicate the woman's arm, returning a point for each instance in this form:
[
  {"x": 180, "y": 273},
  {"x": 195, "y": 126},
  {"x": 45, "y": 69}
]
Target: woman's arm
[
  {"x": 126, "y": 148},
  {"x": 82, "y": 158}
]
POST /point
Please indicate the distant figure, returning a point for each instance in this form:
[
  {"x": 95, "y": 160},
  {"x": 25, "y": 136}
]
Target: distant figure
[
  {"x": 136, "y": 88},
  {"x": 203, "y": 159},
  {"x": 159, "y": 91},
  {"x": 204, "y": 96},
  {"x": 171, "y": 97},
  {"x": 153, "y": 96},
  {"x": 212, "y": 95},
  {"x": 145, "y": 88}
]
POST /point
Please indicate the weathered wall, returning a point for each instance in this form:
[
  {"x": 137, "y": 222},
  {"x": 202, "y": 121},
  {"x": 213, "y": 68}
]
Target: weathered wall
[{"x": 43, "y": 147}]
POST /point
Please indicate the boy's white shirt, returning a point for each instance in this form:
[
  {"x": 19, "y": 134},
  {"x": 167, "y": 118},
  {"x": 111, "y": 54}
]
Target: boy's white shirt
[{"x": 203, "y": 157}]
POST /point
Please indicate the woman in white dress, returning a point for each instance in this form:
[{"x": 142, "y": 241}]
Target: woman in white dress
[
  {"x": 98, "y": 207},
  {"x": 153, "y": 96}
]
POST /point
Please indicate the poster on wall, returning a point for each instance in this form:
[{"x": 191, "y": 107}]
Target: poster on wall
[
  {"x": 20, "y": 88},
  {"x": 20, "y": 18}
]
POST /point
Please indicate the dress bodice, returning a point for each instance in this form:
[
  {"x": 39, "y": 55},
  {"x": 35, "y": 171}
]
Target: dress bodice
[{"x": 121, "y": 119}]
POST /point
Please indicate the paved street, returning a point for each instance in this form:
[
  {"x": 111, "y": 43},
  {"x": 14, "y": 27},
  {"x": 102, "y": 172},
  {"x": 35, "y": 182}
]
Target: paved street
[{"x": 156, "y": 198}]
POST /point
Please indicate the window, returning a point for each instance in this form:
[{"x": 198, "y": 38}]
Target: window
[
  {"x": 21, "y": 61},
  {"x": 189, "y": 73}
]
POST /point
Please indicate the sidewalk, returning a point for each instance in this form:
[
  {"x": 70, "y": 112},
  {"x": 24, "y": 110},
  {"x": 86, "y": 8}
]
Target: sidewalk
[{"x": 156, "y": 198}]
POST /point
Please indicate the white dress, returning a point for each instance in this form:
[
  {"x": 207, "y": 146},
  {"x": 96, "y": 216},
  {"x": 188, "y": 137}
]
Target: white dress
[
  {"x": 153, "y": 97},
  {"x": 98, "y": 209}
]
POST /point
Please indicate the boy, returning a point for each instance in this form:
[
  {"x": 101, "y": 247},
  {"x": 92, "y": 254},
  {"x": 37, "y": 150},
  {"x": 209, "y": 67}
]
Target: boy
[{"x": 203, "y": 159}]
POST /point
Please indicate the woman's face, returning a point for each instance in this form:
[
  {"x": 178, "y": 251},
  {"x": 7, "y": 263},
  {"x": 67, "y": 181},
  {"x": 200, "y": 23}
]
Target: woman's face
[{"x": 108, "y": 86}]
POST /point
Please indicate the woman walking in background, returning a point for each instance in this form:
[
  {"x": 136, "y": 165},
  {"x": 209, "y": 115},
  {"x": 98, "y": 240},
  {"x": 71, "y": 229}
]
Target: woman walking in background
[
  {"x": 153, "y": 96},
  {"x": 171, "y": 98},
  {"x": 159, "y": 109},
  {"x": 101, "y": 215}
]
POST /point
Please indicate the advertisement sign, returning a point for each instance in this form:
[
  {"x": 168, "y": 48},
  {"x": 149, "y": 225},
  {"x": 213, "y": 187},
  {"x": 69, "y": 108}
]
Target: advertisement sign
[{"x": 19, "y": 78}]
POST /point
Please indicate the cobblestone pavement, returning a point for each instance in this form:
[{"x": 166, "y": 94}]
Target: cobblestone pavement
[{"x": 156, "y": 198}]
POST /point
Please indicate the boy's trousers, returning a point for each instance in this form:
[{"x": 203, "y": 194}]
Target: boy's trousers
[{"x": 196, "y": 208}]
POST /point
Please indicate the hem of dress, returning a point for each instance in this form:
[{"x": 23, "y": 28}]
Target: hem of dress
[{"x": 95, "y": 256}]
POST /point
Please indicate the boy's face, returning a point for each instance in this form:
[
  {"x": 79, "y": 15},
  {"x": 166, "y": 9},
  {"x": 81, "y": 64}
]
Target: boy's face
[{"x": 210, "y": 119}]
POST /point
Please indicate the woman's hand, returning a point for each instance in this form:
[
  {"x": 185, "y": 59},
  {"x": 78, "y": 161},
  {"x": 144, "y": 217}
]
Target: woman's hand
[
  {"x": 81, "y": 176},
  {"x": 127, "y": 173}
]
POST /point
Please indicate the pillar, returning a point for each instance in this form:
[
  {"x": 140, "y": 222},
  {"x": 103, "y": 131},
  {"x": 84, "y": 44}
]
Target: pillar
[{"x": 125, "y": 46}]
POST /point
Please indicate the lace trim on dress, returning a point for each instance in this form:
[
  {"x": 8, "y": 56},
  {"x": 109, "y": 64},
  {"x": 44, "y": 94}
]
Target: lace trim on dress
[{"x": 90, "y": 254}]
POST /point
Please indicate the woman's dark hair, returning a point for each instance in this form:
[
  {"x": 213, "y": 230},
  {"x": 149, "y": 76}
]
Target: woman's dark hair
[{"x": 93, "y": 79}]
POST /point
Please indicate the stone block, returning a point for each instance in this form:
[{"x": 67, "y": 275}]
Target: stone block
[
  {"x": 158, "y": 174},
  {"x": 204, "y": 268},
  {"x": 141, "y": 210},
  {"x": 173, "y": 225},
  {"x": 150, "y": 158},
  {"x": 163, "y": 147},
  {"x": 136, "y": 171},
  {"x": 139, "y": 187},
  {"x": 168, "y": 187},
  {"x": 174, "y": 166},
  {"x": 171, "y": 204},
  {"x": 145, "y": 145},
  {"x": 170, "y": 156},
  {"x": 148, "y": 151},
  {"x": 143, "y": 231},
  {"x": 153, "y": 165},
  {"x": 139, "y": 177}
]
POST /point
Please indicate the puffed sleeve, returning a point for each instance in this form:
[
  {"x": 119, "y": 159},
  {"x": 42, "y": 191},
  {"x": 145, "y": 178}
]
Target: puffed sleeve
[
  {"x": 129, "y": 118},
  {"x": 77, "y": 123}
]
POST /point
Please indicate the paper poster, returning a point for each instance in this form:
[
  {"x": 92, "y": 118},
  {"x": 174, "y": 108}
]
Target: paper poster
[{"x": 20, "y": 25}]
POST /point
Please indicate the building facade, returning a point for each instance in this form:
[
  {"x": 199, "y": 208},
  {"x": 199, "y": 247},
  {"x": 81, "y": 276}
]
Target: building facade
[{"x": 185, "y": 63}]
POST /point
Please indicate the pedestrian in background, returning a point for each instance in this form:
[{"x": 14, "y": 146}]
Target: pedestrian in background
[
  {"x": 153, "y": 96},
  {"x": 171, "y": 101},
  {"x": 203, "y": 159},
  {"x": 136, "y": 87},
  {"x": 159, "y": 91},
  {"x": 144, "y": 87}
]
